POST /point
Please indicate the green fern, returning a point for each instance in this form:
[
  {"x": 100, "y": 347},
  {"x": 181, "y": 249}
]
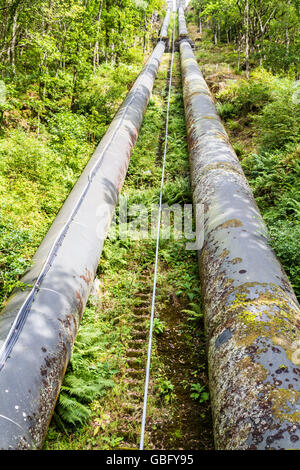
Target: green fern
[
  {"x": 71, "y": 411},
  {"x": 87, "y": 377},
  {"x": 86, "y": 387}
]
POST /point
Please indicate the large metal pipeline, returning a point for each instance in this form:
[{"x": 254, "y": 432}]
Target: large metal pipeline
[
  {"x": 252, "y": 317},
  {"x": 165, "y": 26},
  {"x": 39, "y": 324},
  {"x": 181, "y": 23}
]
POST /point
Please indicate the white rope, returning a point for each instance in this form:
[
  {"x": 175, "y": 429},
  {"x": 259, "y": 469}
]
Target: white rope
[{"x": 156, "y": 254}]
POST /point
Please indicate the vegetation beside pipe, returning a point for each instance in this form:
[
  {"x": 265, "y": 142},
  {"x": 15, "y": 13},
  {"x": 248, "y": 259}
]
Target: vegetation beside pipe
[
  {"x": 251, "y": 312},
  {"x": 31, "y": 374}
]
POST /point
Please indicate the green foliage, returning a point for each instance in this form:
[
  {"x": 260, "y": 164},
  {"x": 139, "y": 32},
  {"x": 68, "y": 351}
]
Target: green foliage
[
  {"x": 101, "y": 96},
  {"x": 226, "y": 110},
  {"x": 24, "y": 156},
  {"x": 44, "y": 143},
  {"x": 275, "y": 181},
  {"x": 198, "y": 393},
  {"x": 36, "y": 175},
  {"x": 239, "y": 149},
  {"x": 66, "y": 126},
  {"x": 165, "y": 389},
  {"x": 269, "y": 103},
  {"x": 158, "y": 326},
  {"x": 233, "y": 125},
  {"x": 194, "y": 313},
  {"x": 88, "y": 377},
  {"x": 177, "y": 191},
  {"x": 279, "y": 122},
  {"x": 71, "y": 37},
  {"x": 13, "y": 260},
  {"x": 278, "y": 58},
  {"x": 270, "y": 28},
  {"x": 285, "y": 239},
  {"x": 247, "y": 96}
]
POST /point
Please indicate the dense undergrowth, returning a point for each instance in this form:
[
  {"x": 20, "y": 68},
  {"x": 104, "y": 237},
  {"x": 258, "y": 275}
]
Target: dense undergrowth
[{"x": 65, "y": 68}]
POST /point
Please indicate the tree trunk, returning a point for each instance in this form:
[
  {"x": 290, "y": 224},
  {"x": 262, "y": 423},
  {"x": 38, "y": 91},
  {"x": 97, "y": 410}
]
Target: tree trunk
[
  {"x": 287, "y": 36},
  {"x": 145, "y": 32},
  {"x": 13, "y": 43},
  {"x": 239, "y": 50},
  {"x": 96, "y": 47},
  {"x": 200, "y": 20},
  {"x": 215, "y": 36},
  {"x": 247, "y": 38}
]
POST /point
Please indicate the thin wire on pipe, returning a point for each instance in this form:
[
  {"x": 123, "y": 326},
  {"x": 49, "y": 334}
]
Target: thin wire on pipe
[{"x": 156, "y": 254}]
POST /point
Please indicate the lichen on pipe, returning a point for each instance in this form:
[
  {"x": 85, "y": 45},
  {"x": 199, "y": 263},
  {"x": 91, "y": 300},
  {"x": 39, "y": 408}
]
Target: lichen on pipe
[
  {"x": 252, "y": 316},
  {"x": 39, "y": 324}
]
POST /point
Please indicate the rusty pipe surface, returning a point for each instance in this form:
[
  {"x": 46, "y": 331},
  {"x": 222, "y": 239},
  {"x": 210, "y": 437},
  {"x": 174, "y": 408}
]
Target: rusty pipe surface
[
  {"x": 252, "y": 317},
  {"x": 39, "y": 324}
]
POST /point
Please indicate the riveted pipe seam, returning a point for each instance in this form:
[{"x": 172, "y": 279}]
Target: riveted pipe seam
[{"x": 251, "y": 312}]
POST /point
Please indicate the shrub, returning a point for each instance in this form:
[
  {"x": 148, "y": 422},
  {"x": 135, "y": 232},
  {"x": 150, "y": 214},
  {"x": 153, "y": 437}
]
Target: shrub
[
  {"x": 248, "y": 95},
  {"x": 274, "y": 178},
  {"x": 279, "y": 121},
  {"x": 27, "y": 156},
  {"x": 67, "y": 125},
  {"x": 35, "y": 178},
  {"x": 226, "y": 110},
  {"x": 13, "y": 260},
  {"x": 104, "y": 93},
  {"x": 285, "y": 239}
]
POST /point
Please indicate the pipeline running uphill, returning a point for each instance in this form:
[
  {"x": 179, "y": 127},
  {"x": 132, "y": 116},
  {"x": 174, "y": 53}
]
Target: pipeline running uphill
[
  {"x": 252, "y": 317},
  {"x": 39, "y": 325}
]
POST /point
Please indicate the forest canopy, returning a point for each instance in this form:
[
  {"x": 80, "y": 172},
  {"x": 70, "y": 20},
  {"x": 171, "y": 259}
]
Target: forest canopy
[
  {"x": 47, "y": 39},
  {"x": 266, "y": 30}
]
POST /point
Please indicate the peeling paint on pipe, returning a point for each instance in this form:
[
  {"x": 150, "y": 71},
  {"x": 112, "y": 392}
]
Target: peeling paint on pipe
[
  {"x": 39, "y": 325},
  {"x": 252, "y": 317}
]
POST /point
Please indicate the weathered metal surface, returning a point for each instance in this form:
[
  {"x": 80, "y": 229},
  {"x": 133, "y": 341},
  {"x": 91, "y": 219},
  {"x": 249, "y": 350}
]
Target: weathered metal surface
[
  {"x": 165, "y": 26},
  {"x": 181, "y": 23},
  {"x": 252, "y": 317},
  {"x": 39, "y": 324}
]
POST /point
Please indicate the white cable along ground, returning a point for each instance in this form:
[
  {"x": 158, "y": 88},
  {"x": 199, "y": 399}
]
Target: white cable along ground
[{"x": 156, "y": 252}]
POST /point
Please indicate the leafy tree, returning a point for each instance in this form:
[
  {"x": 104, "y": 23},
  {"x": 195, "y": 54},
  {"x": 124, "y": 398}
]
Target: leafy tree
[{"x": 266, "y": 30}]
